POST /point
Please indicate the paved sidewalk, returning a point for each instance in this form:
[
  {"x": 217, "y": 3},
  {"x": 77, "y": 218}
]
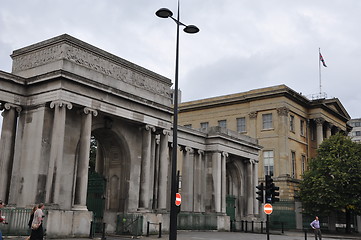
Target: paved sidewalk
[{"x": 210, "y": 235}]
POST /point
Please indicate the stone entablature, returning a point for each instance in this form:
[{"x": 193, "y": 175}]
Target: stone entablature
[{"x": 58, "y": 52}]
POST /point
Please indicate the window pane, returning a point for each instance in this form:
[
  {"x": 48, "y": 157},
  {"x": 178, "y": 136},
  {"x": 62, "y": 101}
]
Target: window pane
[
  {"x": 204, "y": 125},
  {"x": 268, "y": 162},
  {"x": 267, "y": 121},
  {"x": 222, "y": 123},
  {"x": 241, "y": 124}
]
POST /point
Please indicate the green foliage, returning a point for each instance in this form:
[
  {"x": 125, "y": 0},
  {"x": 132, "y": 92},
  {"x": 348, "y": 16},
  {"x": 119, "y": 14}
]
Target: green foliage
[{"x": 333, "y": 181}]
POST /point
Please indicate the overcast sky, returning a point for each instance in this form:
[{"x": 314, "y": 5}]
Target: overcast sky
[{"x": 242, "y": 44}]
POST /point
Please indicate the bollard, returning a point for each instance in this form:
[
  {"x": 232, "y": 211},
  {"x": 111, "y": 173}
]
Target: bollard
[
  {"x": 252, "y": 226},
  {"x": 231, "y": 226},
  {"x": 160, "y": 230},
  {"x": 148, "y": 229},
  {"x": 305, "y": 234},
  {"x": 246, "y": 225},
  {"x": 242, "y": 227},
  {"x": 282, "y": 229},
  {"x": 103, "y": 233},
  {"x": 261, "y": 226}
]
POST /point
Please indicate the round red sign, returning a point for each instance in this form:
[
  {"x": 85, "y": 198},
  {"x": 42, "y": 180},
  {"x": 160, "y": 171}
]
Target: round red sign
[
  {"x": 178, "y": 199},
  {"x": 267, "y": 208}
]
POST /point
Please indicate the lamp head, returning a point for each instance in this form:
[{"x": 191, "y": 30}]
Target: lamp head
[
  {"x": 191, "y": 29},
  {"x": 164, "y": 13}
]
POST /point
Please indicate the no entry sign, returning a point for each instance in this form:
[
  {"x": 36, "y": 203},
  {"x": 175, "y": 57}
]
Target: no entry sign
[
  {"x": 267, "y": 208},
  {"x": 178, "y": 199}
]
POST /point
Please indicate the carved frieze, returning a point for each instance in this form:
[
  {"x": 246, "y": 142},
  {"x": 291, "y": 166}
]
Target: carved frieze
[{"x": 115, "y": 68}]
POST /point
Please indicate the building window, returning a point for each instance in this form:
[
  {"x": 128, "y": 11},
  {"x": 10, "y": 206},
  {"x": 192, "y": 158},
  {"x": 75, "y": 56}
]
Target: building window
[
  {"x": 302, "y": 128},
  {"x": 188, "y": 125},
  {"x": 303, "y": 164},
  {"x": 204, "y": 125},
  {"x": 293, "y": 160},
  {"x": 356, "y": 133},
  {"x": 222, "y": 123},
  {"x": 292, "y": 123},
  {"x": 267, "y": 121},
  {"x": 241, "y": 124},
  {"x": 268, "y": 162},
  {"x": 357, "y": 124}
]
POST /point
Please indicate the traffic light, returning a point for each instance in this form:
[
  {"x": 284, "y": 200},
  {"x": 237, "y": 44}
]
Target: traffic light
[
  {"x": 260, "y": 194},
  {"x": 268, "y": 189},
  {"x": 275, "y": 193},
  {"x": 271, "y": 190}
]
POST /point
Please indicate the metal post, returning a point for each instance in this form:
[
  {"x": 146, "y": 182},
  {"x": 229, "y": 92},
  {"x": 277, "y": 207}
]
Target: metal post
[
  {"x": 148, "y": 228},
  {"x": 246, "y": 225},
  {"x": 282, "y": 228},
  {"x": 261, "y": 226},
  {"x": 252, "y": 226},
  {"x": 267, "y": 226},
  {"x": 242, "y": 227},
  {"x": 305, "y": 233},
  {"x": 160, "y": 230}
]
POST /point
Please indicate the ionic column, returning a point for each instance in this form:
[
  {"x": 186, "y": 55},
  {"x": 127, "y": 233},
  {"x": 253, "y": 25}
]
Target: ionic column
[
  {"x": 83, "y": 160},
  {"x": 187, "y": 179},
  {"x": 250, "y": 190},
  {"x": 223, "y": 182},
  {"x": 197, "y": 176},
  {"x": 7, "y": 144},
  {"x": 255, "y": 183},
  {"x": 319, "y": 122},
  {"x": 57, "y": 150},
  {"x": 144, "y": 189},
  {"x": 328, "y": 130},
  {"x": 163, "y": 170},
  {"x": 203, "y": 181},
  {"x": 217, "y": 179},
  {"x": 252, "y": 124}
]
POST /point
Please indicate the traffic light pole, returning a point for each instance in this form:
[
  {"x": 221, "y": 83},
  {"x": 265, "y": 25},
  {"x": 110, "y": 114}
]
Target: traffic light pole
[{"x": 267, "y": 227}]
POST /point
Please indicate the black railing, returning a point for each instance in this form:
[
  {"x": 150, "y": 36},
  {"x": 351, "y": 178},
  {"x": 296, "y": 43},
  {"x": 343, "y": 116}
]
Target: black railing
[
  {"x": 254, "y": 226},
  {"x": 159, "y": 228}
]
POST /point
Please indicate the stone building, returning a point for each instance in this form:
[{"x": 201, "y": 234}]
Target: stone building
[
  {"x": 286, "y": 124},
  {"x": 355, "y": 133},
  {"x": 61, "y": 92}
]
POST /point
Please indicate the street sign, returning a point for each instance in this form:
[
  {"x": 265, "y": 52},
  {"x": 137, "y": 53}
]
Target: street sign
[
  {"x": 178, "y": 199},
  {"x": 267, "y": 209}
]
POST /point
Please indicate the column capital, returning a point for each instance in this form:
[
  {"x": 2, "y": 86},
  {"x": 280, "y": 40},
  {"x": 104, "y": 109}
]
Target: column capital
[
  {"x": 200, "y": 152},
  {"x": 61, "y": 103},
  {"x": 87, "y": 110},
  {"x": 165, "y": 132},
  {"x": 319, "y": 121},
  {"x": 149, "y": 128},
  {"x": 283, "y": 111},
  {"x": 8, "y": 106},
  {"x": 253, "y": 114},
  {"x": 225, "y": 154}
]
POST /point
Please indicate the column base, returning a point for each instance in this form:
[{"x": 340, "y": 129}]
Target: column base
[{"x": 79, "y": 208}]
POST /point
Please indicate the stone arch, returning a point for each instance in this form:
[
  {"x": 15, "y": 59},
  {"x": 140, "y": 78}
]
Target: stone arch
[
  {"x": 236, "y": 184},
  {"x": 112, "y": 162}
]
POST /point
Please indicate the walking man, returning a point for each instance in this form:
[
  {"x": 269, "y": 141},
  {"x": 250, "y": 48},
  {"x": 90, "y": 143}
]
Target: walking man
[{"x": 315, "y": 224}]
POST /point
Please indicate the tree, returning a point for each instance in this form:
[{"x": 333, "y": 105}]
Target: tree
[{"x": 333, "y": 181}]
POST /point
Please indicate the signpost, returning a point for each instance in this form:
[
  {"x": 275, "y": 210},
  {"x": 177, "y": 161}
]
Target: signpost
[
  {"x": 178, "y": 199},
  {"x": 268, "y": 209}
]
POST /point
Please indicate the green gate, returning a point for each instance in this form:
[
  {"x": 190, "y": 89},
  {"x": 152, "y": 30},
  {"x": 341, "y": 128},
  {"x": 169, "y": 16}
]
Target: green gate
[
  {"x": 230, "y": 207},
  {"x": 96, "y": 199}
]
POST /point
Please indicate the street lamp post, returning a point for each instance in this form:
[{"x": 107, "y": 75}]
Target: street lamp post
[{"x": 166, "y": 13}]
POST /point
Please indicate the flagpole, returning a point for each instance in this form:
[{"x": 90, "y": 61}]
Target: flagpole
[{"x": 319, "y": 69}]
